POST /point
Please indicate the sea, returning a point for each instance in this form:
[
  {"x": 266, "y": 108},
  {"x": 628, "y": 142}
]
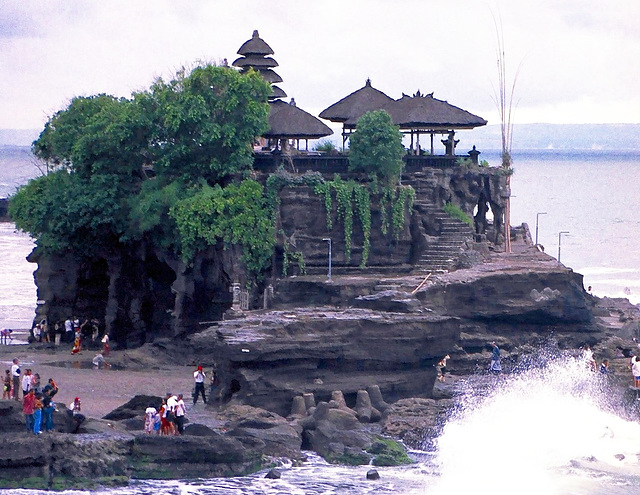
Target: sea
[{"x": 552, "y": 428}]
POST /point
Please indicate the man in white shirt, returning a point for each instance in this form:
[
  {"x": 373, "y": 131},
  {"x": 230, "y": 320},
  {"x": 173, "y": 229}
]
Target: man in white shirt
[
  {"x": 199, "y": 376},
  {"x": 26, "y": 382},
  {"x": 172, "y": 403},
  {"x": 15, "y": 375},
  {"x": 180, "y": 411}
]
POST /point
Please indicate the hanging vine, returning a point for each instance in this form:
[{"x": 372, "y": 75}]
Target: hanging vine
[
  {"x": 404, "y": 201},
  {"x": 362, "y": 200}
]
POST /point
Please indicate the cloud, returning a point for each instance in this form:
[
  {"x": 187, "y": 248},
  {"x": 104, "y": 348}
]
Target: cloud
[{"x": 570, "y": 52}]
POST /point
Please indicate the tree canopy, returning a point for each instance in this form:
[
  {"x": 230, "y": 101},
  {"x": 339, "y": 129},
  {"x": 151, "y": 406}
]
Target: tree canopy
[
  {"x": 376, "y": 147},
  {"x": 193, "y": 134}
]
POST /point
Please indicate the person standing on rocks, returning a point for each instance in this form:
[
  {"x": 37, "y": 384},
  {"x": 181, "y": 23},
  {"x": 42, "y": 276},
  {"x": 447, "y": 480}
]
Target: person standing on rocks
[
  {"x": 105, "y": 345},
  {"x": 199, "y": 376},
  {"x": 495, "y": 367},
  {"x": 26, "y": 382},
  {"x": 15, "y": 376},
  {"x": 149, "y": 419},
  {"x": 48, "y": 406},
  {"x": 68, "y": 330},
  {"x": 179, "y": 411},
  {"x": 37, "y": 414},
  {"x": 6, "y": 385},
  {"x": 28, "y": 407}
]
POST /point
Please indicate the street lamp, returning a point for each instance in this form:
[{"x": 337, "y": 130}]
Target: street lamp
[
  {"x": 537, "y": 217},
  {"x": 327, "y": 239},
  {"x": 560, "y": 242}
]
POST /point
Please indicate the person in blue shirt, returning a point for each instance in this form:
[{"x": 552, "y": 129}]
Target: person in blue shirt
[{"x": 495, "y": 367}]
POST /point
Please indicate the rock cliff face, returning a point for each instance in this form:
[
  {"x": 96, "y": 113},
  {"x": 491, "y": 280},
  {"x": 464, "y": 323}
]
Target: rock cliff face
[
  {"x": 140, "y": 293},
  {"x": 356, "y": 336}
]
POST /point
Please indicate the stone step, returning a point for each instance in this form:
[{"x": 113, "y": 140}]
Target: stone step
[{"x": 381, "y": 288}]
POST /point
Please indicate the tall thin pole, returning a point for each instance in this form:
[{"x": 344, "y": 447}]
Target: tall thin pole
[
  {"x": 327, "y": 239},
  {"x": 537, "y": 217},
  {"x": 560, "y": 242}
]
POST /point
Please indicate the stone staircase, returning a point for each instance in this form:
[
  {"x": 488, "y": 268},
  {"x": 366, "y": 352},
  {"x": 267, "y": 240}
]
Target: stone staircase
[{"x": 442, "y": 253}]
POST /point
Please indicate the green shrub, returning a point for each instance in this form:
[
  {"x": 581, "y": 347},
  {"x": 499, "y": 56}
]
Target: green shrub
[{"x": 455, "y": 212}]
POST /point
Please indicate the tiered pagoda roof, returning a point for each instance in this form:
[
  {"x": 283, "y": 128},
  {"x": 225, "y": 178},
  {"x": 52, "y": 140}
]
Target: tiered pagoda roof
[
  {"x": 286, "y": 120},
  {"x": 254, "y": 56}
]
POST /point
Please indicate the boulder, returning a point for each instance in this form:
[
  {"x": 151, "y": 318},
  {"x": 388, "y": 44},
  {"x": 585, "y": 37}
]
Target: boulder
[
  {"x": 415, "y": 420},
  {"x": 273, "y": 474},
  {"x": 363, "y": 406},
  {"x": 280, "y": 437},
  {"x": 376, "y": 398},
  {"x": 298, "y": 408},
  {"x": 134, "y": 408},
  {"x": 373, "y": 474}
]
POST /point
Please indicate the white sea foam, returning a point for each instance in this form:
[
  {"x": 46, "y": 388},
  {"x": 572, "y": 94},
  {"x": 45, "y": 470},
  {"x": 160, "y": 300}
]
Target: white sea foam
[{"x": 549, "y": 430}]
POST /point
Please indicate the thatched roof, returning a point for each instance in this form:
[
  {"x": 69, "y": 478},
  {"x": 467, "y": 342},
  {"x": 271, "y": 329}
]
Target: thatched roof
[
  {"x": 290, "y": 122},
  {"x": 277, "y": 92},
  {"x": 426, "y": 112},
  {"x": 270, "y": 76},
  {"x": 257, "y": 62},
  {"x": 255, "y": 46},
  {"x": 356, "y": 104}
]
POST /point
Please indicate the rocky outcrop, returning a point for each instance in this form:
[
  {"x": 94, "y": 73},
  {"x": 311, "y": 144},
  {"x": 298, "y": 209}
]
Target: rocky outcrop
[
  {"x": 104, "y": 453},
  {"x": 141, "y": 293}
]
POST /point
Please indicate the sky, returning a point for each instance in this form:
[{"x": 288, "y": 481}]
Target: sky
[{"x": 572, "y": 61}]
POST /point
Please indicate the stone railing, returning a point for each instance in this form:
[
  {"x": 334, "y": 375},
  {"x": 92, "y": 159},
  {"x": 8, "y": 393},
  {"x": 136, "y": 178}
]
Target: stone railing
[{"x": 339, "y": 163}]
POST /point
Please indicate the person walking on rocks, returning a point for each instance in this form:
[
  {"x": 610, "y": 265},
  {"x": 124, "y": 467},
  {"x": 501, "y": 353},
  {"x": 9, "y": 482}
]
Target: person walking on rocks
[
  {"x": 15, "y": 376},
  {"x": 199, "y": 376}
]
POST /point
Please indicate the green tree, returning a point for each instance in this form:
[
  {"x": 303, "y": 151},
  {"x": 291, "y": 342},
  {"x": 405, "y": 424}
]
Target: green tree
[
  {"x": 194, "y": 131},
  {"x": 376, "y": 147},
  {"x": 204, "y": 123}
]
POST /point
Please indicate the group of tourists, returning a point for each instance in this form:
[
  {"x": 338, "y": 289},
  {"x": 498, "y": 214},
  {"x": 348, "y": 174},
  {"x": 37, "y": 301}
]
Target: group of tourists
[
  {"x": 37, "y": 400},
  {"x": 71, "y": 330},
  {"x": 169, "y": 419}
]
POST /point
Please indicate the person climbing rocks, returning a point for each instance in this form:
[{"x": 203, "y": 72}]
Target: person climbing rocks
[
  {"x": 77, "y": 418},
  {"x": 441, "y": 367},
  {"x": 199, "y": 376}
]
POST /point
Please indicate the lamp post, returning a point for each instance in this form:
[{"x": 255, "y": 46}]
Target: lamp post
[
  {"x": 537, "y": 217},
  {"x": 560, "y": 242},
  {"x": 327, "y": 239}
]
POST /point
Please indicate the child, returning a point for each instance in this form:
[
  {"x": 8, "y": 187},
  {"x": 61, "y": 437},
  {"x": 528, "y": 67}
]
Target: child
[
  {"x": 6, "y": 387},
  {"x": 149, "y": 419}
]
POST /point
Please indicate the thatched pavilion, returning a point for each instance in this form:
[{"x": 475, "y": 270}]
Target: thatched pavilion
[
  {"x": 288, "y": 122},
  {"x": 415, "y": 115},
  {"x": 424, "y": 114},
  {"x": 350, "y": 108}
]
